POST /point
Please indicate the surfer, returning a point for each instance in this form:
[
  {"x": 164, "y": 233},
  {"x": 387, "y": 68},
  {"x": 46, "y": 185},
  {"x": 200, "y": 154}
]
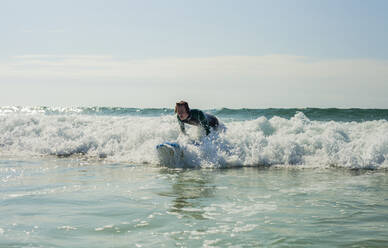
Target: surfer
[{"x": 194, "y": 117}]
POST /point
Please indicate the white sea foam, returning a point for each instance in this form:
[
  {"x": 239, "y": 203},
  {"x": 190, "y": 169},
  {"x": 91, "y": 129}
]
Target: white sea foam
[{"x": 262, "y": 141}]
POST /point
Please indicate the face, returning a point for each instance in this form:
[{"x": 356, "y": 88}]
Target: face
[{"x": 182, "y": 113}]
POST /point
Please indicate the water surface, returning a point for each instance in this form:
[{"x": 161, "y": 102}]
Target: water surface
[{"x": 82, "y": 203}]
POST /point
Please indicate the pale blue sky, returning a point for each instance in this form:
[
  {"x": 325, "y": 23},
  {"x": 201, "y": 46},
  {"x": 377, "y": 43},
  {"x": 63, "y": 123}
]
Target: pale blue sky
[{"x": 49, "y": 48}]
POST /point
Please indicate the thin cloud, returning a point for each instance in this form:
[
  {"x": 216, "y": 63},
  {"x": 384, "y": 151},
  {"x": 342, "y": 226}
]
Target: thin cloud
[
  {"x": 56, "y": 31},
  {"x": 215, "y": 69}
]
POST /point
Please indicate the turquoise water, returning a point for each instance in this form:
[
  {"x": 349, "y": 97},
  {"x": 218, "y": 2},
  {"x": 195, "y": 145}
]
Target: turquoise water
[
  {"x": 91, "y": 177},
  {"x": 77, "y": 203}
]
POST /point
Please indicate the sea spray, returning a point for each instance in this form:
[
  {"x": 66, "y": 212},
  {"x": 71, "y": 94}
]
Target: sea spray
[{"x": 131, "y": 137}]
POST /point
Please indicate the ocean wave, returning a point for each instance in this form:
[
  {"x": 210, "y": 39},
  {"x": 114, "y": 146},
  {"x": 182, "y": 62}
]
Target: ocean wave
[
  {"x": 297, "y": 141},
  {"x": 110, "y": 111},
  {"x": 318, "y": 114},
  {"x": 227, "y": 114}
]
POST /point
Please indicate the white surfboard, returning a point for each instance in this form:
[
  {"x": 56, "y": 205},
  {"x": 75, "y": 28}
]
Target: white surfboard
[{"x": 169, "y": 153}]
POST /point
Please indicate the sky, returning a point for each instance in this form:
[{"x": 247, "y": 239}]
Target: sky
[{"x": 213, "y": 54}]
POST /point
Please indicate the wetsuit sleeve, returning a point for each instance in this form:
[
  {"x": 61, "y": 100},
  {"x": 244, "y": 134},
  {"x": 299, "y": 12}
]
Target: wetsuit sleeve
[
  {"x": 204, "y": 123},
  {"x": 181, "y": 125}
]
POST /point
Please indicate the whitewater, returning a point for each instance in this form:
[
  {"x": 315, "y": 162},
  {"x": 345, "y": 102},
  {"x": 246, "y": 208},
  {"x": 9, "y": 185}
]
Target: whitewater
[{"x": 353, "y": 138}]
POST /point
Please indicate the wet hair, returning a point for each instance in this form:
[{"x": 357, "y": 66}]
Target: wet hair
[{"x": 182, "y": 103}]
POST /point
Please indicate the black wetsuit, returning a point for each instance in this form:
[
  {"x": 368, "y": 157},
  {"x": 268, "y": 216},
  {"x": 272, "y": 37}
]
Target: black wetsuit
[{"x": 197, "y": 117}]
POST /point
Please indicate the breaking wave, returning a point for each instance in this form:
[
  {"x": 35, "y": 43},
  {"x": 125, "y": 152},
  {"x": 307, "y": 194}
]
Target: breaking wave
[{"x": 131, "y": 138}]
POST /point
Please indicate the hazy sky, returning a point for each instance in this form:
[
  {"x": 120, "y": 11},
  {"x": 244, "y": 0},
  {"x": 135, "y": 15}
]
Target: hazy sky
[{"x": 254, "y": 54}]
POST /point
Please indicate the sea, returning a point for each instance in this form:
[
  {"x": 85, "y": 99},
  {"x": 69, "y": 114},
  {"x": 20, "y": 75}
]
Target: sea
[{"x": 92, "y": 177}]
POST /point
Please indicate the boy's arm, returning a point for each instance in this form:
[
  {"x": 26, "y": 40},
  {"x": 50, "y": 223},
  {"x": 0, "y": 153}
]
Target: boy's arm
[
  {"x": 181, "y": 125},
  {"x": 204, "y": 124}
]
